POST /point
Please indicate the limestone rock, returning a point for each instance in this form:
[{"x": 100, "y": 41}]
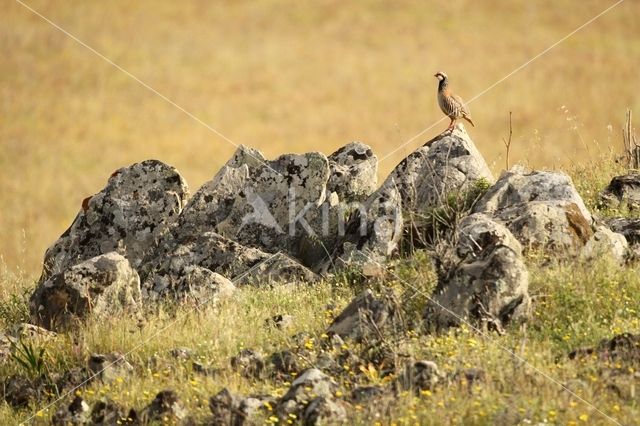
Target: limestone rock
[
  {"x": 518, "y": 186},
  {"x": 543, "y": 210},
  {"x": 630, "y": 229},
  {"x": 623, "y": 190},
  {"x": 487, "y": 286},
  {"x": 363, "y": 316},
  {"x": 558, "y": 226},
  {"x": 76, "y": 413},
  {"x": 478, "y": 231},
  {"x": 229, "y": 409},
  {"x": 323, "y": 410},
  {"x": 103, "y": 285},
  {"x": 130, "y": 215},
  {"x": 420, "y": 375},
  {"x": 311, "y": 384},
  {"x": 248, "y": 363},
  {"x": 172, "y": 271},
  {"x": 166, "y": 407},
  {"x": 258, "y": 202},
  {"x": 107, "y": 413},
  {"x": 109, "y": 367},
  {"x": 605, "y": 242},
  {"x": 353, "y": 172},
  {"x": 451, "y": 163}
]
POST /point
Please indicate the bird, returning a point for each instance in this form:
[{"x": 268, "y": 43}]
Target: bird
[{"x": 452, "y": 105}]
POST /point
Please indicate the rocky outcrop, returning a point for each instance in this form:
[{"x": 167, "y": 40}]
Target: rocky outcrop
[
  {"x": 129, "y": 216},
  {"x": 487, "y": 284},
  {"x": 543, "y": 210},
  {"x": 101, "y": 286}
]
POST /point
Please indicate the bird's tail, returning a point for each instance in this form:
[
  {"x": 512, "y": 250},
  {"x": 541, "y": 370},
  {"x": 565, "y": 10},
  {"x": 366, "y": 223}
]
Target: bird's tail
[{"x": 469, "y": 120}]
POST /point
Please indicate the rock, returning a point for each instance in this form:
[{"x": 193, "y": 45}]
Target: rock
[
  {"x": 285, "y": 363},
  {"x": 165, "y": 407},
  {"x": 18, "y": 391},
  {"x": 372, "y": 232},
  {"x": 364, "y": 316},
  {"x": 420, "y": 375},
  {"x": 25, "y": 331},
  {"x": 280, "y": 321},
  {"x": 130, "y": 216},
  {"x": 449, "y": 164},
  {"x": 353, "y": 172},
  {"x": 22, "y": 332},
  {"x": 311, "y": 384},
  {"x": 248, "y": 363},
  {"x": 277, "y": 268},
  {"x": 109, "y": 367},
  {"x": 622, "y": 191},
  {"x": 543, "y": 210},
  {"x": 605, "y": 242},
  {"x": 518, "y": 186},
  {"x": 229, "y": 409},
  {"x": 170, "y": 271},
  {"x": 487, "y": 286},
  {"x": 77, "y": 413},
  {"x": 256, "y": 202},
  {"x": 478, "y": 232},
  {"x": 70, "y": 380},
  {"x": 557, "y": 227},
  {"x": 630, "y": 229},
  {"x": 471, "y": 376},
  {"x": 108, "y": 413},
  {"x": 362, "y": 394},
  {"x": 101, "y": 286},
  {"x": 621, "y": 348},
  {"x": 224, "y": 407},
  {"x": 322, "y": 410},
  {"x": 181, "y": 353}
]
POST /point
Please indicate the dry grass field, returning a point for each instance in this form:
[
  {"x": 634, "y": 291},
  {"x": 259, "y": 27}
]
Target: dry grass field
[
  {"x": 312, "y": 76},
  {"x": 289, "y": 77}
]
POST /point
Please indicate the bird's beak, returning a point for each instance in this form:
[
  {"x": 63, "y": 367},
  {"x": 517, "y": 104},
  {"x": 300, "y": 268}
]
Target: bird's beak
[{"x": 435, "y": 75}]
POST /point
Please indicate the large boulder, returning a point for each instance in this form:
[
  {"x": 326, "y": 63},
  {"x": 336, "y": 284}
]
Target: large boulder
[
  {"x": 130, "y": 216},
  {"x": 487, "y": 284},
  {"x": 100, "y": 286},
  {"x": 448, "y": 164},
  {"x": 260, "y": 203},
  {"x": 543, "y": 210}
]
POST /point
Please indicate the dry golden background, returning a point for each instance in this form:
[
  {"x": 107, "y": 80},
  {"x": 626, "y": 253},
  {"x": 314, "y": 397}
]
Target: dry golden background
[{"x": 290, "y": 76}]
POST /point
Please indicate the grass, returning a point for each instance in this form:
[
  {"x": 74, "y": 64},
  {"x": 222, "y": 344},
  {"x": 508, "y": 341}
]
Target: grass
[
  {"x": 574, "y": 306},
  {"x": 296, "y": 77}
]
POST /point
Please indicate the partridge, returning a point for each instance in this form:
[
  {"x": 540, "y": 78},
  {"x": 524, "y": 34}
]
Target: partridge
[{"x": 452, "y": 105}]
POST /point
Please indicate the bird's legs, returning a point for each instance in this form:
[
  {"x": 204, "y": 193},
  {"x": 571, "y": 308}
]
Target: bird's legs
[{"x": 450, "y": 128}]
